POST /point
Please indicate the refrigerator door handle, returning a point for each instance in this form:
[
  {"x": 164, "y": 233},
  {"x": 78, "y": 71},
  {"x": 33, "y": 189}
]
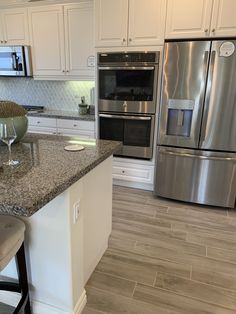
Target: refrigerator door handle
[
  {"x": 208, "y": 94},
  {"x": 166, "y": 152}
]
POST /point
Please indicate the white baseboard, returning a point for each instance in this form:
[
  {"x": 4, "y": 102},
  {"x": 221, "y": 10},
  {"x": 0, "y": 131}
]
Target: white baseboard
[
  {"x": 12, "y": 299},
  {"x": 81, "y": 303}
]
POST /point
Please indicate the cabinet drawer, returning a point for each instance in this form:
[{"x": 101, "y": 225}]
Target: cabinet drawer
[
  {"x": 42, "y": 122},
  {"x": 73, "y": 132},
  {"x": 42, "y": 130},
  {"x": 76, "y": 124},
  {"x": 133, "y": 173}
]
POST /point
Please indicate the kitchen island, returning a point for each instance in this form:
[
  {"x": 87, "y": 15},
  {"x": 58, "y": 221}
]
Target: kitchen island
[{"x": 65, "y": 199}]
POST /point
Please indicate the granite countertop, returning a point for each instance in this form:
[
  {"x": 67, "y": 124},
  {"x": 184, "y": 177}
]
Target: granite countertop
[
  {"x": 45, "y": 170},
  {"x": 61, "y": 114}
]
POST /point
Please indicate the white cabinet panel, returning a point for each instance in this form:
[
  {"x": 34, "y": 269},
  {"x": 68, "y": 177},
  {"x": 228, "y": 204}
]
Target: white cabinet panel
[
  {"x": 133, "y": 172},
  {"x": 62, "y": 41},
  {"x": 47, "y": 37},
  {"x": 42, "y": 130},
  {"x": 14, "y": 27},
  {"x": 223, "y": 18},
  {"x": 76, "y": 132},
  {"x": 83, "y": 129},
  {"x": 111, "y": 23},
  {"x": 121, "y": 23},
  {"x": 76, "y": 124},
  {"x": 188, "y": 18},
  {"x": 146, "y": 22},
  {"x": 43, "y": 122},
  {"x": 79, "y": 35}
]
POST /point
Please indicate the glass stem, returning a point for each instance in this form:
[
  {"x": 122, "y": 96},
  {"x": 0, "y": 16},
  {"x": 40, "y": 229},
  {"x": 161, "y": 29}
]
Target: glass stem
[{"x": 9, "y": 149}]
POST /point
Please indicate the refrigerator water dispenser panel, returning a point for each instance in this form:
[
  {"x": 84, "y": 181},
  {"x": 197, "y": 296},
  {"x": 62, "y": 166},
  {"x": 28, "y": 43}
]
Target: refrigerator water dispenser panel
[{"x": 179, "y": 119}]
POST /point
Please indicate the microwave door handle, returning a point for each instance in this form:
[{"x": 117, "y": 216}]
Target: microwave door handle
[
  {"x": 112, "y": 116},
  {"x": 14, "y": 61}
]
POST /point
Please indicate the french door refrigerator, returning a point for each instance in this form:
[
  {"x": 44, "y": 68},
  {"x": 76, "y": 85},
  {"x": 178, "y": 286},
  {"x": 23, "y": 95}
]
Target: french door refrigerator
[{"x": 196, "y": 154}]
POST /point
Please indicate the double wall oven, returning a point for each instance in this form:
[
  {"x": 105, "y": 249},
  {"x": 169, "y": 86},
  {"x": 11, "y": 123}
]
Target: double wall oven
[{"x": 127, "y": 84}]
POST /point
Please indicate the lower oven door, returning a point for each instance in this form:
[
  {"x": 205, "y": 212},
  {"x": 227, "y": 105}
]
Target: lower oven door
[{"x": 134, "y": 131}]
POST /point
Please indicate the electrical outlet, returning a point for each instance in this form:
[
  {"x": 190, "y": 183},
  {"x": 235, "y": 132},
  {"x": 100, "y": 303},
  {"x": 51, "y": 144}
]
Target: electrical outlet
[{"x": 76, "y": 211}]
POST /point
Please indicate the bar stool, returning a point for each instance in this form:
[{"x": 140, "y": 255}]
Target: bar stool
[{"x": 12, "y": 244}]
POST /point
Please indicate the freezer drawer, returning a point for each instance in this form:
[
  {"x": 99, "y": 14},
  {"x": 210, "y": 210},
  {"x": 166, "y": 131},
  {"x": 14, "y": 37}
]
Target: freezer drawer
[{"x": 196, "y": 176}]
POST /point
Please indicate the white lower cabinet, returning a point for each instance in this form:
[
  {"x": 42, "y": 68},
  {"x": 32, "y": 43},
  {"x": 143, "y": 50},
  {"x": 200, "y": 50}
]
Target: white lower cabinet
[
  {"x": 42, "y": 125},
  {"x": 133, "y": 173},
  {"x": 67, "y": 127}
]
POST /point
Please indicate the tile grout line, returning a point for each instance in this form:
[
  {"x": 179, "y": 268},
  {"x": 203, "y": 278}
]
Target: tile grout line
[{"x": 132, "y": 296}]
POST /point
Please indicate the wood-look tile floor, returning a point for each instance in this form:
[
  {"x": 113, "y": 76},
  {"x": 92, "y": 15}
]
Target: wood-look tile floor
[{"x": 165, "y": 257}]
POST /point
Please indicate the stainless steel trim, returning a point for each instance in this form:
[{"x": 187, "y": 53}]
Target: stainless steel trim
[
  {"x": 28, "y": 60},
  {"x": 197, "y": 156},
  {"x": 126, "y": 68},
  {"x": 111, "y": 116}
]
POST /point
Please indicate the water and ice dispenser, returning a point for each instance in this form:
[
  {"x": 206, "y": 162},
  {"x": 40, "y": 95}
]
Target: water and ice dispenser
[{"x": 179, "y": 119}]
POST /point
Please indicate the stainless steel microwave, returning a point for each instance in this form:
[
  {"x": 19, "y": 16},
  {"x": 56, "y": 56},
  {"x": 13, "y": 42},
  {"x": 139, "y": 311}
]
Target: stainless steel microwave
[{"x": 15, "y": 61}]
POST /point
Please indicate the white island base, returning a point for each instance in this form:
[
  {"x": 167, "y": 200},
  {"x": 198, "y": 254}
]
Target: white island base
[{"x": 64, "y": 245}]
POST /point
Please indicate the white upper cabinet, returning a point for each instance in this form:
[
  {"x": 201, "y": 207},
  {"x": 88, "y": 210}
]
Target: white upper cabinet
[
  {"x": 224, "y": 18},
  {"x": 62, "y": 41},
  {"x": 14, "y": 27},
  {"x": 47, "y": 39},
  {"x": 200, "y": 18},
  {"x": 79, "y": 36},
  {"x": 111, "y": 22},
  {"x": 188, "y": 18},
  {"x": 121, "y": 23}
]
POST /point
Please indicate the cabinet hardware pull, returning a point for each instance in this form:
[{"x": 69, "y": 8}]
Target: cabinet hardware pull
[
  {"x": 124, "y": 40},
  {"x": 67, "y": 71},
  {"x": 206, "y": 30},
  {"x": 63, "y": 71},
  {"x": 75, "y": 125},
  {"x": 213, "y": 30},
  {"x": 130, "y": 39},
  {"x": 38, "y": 122},
  {"x": 2, "y": 41},
  {"x": 5, "y": 41}
]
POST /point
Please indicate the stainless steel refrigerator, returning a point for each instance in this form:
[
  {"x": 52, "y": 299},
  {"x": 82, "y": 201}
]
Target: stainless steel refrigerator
[{"x": 196, "y": 154}]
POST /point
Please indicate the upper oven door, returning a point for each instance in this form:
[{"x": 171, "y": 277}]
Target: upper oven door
[
  {"x": 127, "y": 88},
  {"x": 11, "y": 61}
]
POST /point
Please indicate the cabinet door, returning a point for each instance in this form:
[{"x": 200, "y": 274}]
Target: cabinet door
[
  {"x": 188, "y": 18},
  {"x": 1, "y": 31},
  {"x": 47, "y": 39},
  {"x": 15, "y": 26},
  {"x": 79, "y": 36},
  {"x": 111, "y": 23},
  {"x": 146, "y": 22},
  {"x": 223, "y": 18}
]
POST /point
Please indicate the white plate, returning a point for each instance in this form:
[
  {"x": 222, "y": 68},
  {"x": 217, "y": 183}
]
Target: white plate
[{"x": 74, "y": 148}]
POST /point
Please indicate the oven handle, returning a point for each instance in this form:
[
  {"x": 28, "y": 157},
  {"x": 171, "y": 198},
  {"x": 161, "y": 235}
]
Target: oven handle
[
  {"x": 111, "y": 116},
  {"x": 126, "y": 68}
]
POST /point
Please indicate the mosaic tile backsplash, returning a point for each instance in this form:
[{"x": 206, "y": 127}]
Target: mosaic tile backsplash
[{"x": 54, "y": 95}]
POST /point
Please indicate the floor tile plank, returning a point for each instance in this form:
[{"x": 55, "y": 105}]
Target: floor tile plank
[{"x": 113, "y": 304}]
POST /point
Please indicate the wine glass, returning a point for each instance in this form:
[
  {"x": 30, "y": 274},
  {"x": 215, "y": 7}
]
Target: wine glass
[{"x": 8, "y": 136}]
